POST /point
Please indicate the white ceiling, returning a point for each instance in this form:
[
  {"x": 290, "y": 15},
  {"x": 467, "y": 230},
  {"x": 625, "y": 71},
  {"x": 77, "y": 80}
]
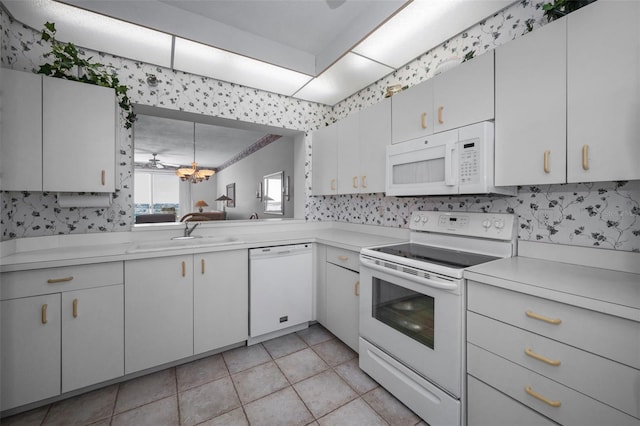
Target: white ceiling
[
  {"x": 317, "y": 50},
  {"x": 176, "y": 144}
]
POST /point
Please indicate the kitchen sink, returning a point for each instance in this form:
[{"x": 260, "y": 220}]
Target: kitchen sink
[{"x": 182, "y": 242}]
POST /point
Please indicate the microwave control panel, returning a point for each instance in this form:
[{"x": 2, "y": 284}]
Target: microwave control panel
[{"x": 469, "y": 162}]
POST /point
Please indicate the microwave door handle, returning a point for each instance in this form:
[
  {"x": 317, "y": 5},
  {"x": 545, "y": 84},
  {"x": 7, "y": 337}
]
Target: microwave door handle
[
  {"x": 424, "y": 281},
  {"x": 450, "y": 166}
]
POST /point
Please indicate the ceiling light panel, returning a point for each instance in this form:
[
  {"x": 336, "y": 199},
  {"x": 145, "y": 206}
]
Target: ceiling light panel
[
  {"x": 345, "y": 77},
  {"x": 423, "y": 25},
  {"x": 93, "y": 31},
  {"x": 205, "y": 60}
]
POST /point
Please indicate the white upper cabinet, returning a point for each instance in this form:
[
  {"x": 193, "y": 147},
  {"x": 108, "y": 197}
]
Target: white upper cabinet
[
  {"x": 465, "y": 94},
  {"x": 530, "y": 127},
  {"x": 21, "y": 131},
  {"x": 57, "y": 135},
  {"x": 348, "y": 157},
  {"x": 324, "y": 168},
  {"x": 79, "y": 133},
  {"x": 412, "y": 113},
  {"x": 374, "y": 136},
  {"x": 567, "y": 99},
  {"x": 603, "y": 92}
]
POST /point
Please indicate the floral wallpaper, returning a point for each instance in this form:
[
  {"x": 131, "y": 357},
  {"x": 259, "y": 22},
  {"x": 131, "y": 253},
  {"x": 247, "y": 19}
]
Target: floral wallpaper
[{"x": 603, "y": 214}]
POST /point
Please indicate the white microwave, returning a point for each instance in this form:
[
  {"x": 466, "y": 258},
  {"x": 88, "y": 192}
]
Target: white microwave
[{"x": 458, "y": 161}]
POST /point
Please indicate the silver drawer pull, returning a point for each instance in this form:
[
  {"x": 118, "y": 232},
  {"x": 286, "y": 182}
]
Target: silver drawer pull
[
  {"x": 528, "y": 389},
  {"x": 542, "y": 358},
  {"x": 554, "y": 321}
]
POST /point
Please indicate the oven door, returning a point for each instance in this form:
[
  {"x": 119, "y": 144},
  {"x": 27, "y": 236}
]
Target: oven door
[
  {"x": 418, "y": 324},
  {"x": 423, "y": 166}
]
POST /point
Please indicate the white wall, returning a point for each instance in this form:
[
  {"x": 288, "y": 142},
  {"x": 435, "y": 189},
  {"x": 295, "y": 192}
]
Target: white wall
[{"x": 247, "y": 173}]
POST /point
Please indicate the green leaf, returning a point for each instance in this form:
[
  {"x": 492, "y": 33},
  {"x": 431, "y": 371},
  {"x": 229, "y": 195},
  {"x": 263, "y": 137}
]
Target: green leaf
[
  {"x": 45, "y": 69},
  {"x": 51, "y": 26}
]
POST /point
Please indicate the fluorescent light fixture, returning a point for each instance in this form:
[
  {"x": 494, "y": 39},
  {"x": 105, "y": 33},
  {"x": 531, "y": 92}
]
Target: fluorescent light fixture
[
  {"x": 209, "y": 61},
  {"x": 423, "y": 25},
  {"x": 345, "y": 77},
  {"x": 93, "y": 31}
]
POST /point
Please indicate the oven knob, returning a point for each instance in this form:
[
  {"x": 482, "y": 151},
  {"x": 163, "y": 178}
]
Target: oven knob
[
  {"x": 486, "y": 223},
  {"x": 499, "y": 223},
  {"x": 425, "y": 219},
  {"x": 416, "y": 218}
]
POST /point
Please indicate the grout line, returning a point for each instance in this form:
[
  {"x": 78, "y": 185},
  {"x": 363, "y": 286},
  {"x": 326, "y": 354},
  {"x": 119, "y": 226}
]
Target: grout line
[{"x": 177, "y": 394}]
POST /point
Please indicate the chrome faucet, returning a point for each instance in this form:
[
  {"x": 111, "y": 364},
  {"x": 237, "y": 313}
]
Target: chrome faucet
[
  {"x": 187, "y": 230},
  {"x": 254, "y": 216}
]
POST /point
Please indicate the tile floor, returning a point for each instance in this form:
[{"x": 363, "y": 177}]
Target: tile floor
[{"x": 308, "y": 377}]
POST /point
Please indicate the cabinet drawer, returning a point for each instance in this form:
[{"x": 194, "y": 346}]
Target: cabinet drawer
[
  {"x": 487, "y": 406},
  {"x": 582, "y": 328},
  {"x": 563, "y": 405},
  {"x": 608, "y": 381},
  {"x": 66, "y": 278},
  {"x": 345, "y": 258}
]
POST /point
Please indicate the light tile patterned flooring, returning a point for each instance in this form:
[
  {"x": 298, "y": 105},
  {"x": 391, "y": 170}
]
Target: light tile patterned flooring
[{"x": 304, "y": 378}]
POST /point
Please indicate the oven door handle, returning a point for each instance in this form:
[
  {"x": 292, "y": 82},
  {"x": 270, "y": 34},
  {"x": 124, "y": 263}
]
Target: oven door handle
[{"x": 421, "y": 280}]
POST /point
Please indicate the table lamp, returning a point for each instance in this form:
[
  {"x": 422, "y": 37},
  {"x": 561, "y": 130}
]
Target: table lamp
[{"x": 200, "y": 204}]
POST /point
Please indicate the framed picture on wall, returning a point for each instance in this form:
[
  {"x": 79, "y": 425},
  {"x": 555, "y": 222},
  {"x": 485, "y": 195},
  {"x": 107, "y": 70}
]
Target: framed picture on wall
[{"x": 231, "y": 193}]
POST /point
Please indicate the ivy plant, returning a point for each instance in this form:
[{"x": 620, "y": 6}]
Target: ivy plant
[
  {"x": 560, "y": 8},
  {"x": 67, "y": 62}
]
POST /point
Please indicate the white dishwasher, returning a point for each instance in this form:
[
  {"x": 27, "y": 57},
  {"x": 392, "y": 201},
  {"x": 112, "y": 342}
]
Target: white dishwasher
[{"x": 280, "y": 293}]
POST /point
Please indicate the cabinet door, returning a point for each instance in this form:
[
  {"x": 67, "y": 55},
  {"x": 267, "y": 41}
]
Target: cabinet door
[
  {"x": 324, "y": 169},
  {"x": 79, "y": 134},
  {"x": 158, "y": 310},
  {"x": 348, "y": 154},
  {"x": 21, "y": 131},
  {"x": 464, "y": 95},
  {"x": 531, "y": 108},
  {"x": 343, "y": 303},
  {"x": 92, "y": 336},
  {"x": 412, "y": 113},
  {"x": 603, "y": 92},
  {"x": 220, "y": 299},
  {"x": 375, "y": 135},
  {"x": 30, "y": 349}
]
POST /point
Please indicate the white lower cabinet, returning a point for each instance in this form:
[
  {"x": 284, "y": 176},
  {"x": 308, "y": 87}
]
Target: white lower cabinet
[
  {"x": 30, "y": 349},
  {"x": 180, "y": 306},
  {"x": 559, "y": 360},
  {"x": 92, "y": 336},
  {"x": 158, "y": 311},
  {"x": 220, "y": 299},
  {"x": 62, "y": 330},
  {"x": 342, "y": 291}
]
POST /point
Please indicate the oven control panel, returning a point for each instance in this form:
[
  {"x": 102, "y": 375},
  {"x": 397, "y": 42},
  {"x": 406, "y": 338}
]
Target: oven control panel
[{"x": 498, "y": 226}]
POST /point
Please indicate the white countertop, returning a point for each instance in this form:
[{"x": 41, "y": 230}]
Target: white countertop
[
  {"x": 49, "y": 252},
  {"x": 603, "y": 290}
]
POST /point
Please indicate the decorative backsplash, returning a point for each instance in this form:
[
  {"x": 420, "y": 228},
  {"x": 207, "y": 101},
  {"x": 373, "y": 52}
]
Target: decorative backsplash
[{"x": 603, "y": 214}]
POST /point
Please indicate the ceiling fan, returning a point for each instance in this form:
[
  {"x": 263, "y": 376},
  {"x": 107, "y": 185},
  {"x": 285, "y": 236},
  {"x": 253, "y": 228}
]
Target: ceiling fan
[{"x": 155, "y": 163}]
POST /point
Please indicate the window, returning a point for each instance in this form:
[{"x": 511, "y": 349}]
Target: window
[{"x": 156, "y": 192}]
